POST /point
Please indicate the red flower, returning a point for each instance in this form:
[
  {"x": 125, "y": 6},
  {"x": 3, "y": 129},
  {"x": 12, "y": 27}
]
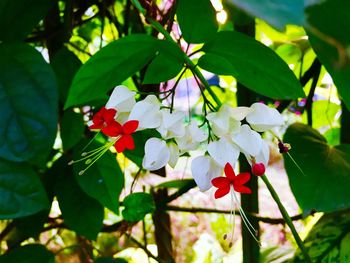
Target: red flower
[
  {"x": 126, "y": 141},
  {"x": 237, "y": 181},
  {"x": 103, "y": 120}
]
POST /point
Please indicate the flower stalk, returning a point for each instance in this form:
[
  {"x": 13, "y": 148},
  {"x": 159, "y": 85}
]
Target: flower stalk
[{"x": 287, "y": 218}]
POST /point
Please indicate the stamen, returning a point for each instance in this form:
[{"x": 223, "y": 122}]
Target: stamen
[{"x": 246, "y": 222}]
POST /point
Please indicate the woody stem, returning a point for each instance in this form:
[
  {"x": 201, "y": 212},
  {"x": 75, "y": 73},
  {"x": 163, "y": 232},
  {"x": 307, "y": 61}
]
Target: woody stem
[{"x": 286, "y": 218}]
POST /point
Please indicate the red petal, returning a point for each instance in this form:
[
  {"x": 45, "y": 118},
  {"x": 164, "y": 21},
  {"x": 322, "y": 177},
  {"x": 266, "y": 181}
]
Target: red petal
[
  {"x": 229, "y": 172},
  {"x": 222, "y": 192},
  {"x": 96, "y": 126},
  {"x": 242, "y": 178},
  {"x": 113, "y": 129},
  {"x": 120, "y": 145},
  {"x": 128, "y": 142},
  {"x": 220, "y": 182},
  {"x": 242, "y": 189},
  {"x": 130, "y": 126},
  {"x": 108, "y": 115}
]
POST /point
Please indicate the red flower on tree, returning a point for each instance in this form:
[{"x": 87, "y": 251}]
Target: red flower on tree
[
  {"x": 123, "y": 132},
  {"x": 224, "y": 184},
  {"x": 104, "y": 120}
]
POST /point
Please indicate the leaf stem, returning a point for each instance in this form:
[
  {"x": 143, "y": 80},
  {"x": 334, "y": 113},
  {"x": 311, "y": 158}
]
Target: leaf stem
[{"x": 286, "y": 218}]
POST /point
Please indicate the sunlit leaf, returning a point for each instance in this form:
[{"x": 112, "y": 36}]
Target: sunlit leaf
[
  {"x": 137, "y": 205},
  {"x": 197, "y": 20},
  {"x": 258, "y": 67},
  {"x": 329, "y": 239}
]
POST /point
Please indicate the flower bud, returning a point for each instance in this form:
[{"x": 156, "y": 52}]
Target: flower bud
[{"x": 258, "y": 169}]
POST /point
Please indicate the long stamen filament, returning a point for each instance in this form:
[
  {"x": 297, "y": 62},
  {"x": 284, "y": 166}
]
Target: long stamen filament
[
  {"x": 97, "y": 157},
  {"x": 232, "y": 216},
  {"x": 245, "y": 220}
]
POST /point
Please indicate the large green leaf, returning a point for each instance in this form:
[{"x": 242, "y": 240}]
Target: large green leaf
[
  {"x": 28, "y": 99},
  {"x": 17, "y": 18},
  {"x": 329, "y": 239},
  {"x": 278, "y": 13},
  {"x": 33, "y": 253},
  {"x": 166, "y": 65},
  {"x": 80, "y": 212},
  {"x": 257, "y": 66},
  {"x": 21, "y": 191},
  {"x": 137, "y": 205},
  {"x": 72, "y": 128},
  {"x": 65, "y": 65},
  {"x": 217, "y": 64},
  {"x": 325, "y": 185},
  {"x": 103, "y": 180},
  {"x": 109, "y": 67},
  {"x": 326, "y": 23},
  {"x": 197, "y": 20}
]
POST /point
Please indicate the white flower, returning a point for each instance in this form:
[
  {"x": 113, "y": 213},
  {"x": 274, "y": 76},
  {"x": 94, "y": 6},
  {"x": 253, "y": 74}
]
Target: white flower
[
  {"x": 263, "y": 118},
  {"x": 172, "y": 124},
  {"x": 204, "y": 169},
  {"x": 122, "y": 99},
  {"x": 157, "y": 154},
  {"x": 227, "y": 119},
  {"x": 192, "y": 138},
  {"x": 174, "y": 153},
  {"x": 223, "y": 151},
  {"x": 263, "y": 156},
  {"x": 248, "y": 141},
  {"x": 147, "y": 112}
]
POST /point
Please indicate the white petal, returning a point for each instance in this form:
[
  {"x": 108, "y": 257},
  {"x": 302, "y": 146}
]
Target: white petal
[
  {"x": 219, "y": 123},
  {"x": 147, "y": 113},
  {"x": 264, "y": 118},
  {"x": 204, "y": 170},
  {"x": 239, "y": 113},
  {"x": 248, "y": 141},
  {"x": 197, "y": 134},
  {"x": 122, "y": 99},
  {"x": 262, "y": 157},
  {"x": 157, "y": 154},
  {"x": 174, "y": 154},
  {"x": 172, "y": 124},
  {"x": 223, "y": 152}
]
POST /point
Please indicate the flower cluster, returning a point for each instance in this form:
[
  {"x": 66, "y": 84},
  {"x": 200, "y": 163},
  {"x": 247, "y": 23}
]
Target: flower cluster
[{"x": 122, "y": 116}]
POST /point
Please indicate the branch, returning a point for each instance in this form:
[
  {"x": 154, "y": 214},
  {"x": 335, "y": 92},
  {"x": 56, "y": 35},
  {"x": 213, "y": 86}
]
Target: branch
[{"x": 268, "y": 220}]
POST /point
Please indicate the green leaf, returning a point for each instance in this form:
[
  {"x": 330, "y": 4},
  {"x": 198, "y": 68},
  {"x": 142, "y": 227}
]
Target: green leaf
[
  {"x": 33, "y": 253},
  {"x": 329, "y": 41},
  {"x": 65, "y": 65},
  {"x": 104, "y": 180},
  {"x": 329, "y": 239},
  {"x": 257, "y": 66},
  {"x": 325, "y": 185},
  {"x": 277, "y": 13},
  {"x": 166, "y": 65},
  {"x": 82, "y": 213},
  {"x": 21, "y": 191},
  {"x": 30, "y": 226},
  {"x": 137, "y": 205},
  {"x": 177, "y": 183},
  {"x": 72, "y": 128},
  {"x": 18, "y": 18},
  {"x": 109, "y": 67},
  {"x": 140, "y": 139},
  {"x": 197, "y": 20},
  {"x": 28, "y": 99},
  {"x": 217, "y": 64}
]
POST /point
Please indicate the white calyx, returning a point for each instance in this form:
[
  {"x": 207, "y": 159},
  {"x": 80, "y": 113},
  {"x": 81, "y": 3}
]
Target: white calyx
[
  {"x": 122, "y": 99},
  {"x": 264, "y": 118},
  {"x": 147, "y": 112},
  {"x": 204, "y": 169}
]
